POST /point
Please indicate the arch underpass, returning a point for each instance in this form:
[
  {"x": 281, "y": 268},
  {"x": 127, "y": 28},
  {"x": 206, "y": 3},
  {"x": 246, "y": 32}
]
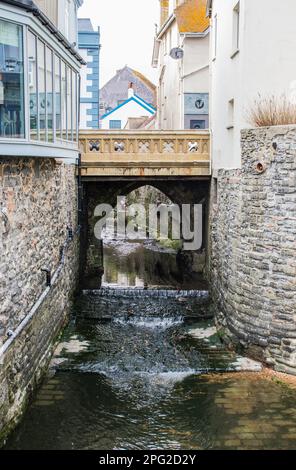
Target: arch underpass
[{"x": 112, "y": 165}]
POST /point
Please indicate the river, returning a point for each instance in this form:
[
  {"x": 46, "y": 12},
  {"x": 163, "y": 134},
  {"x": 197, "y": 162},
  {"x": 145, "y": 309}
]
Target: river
[{"x": 141, "y": 366}]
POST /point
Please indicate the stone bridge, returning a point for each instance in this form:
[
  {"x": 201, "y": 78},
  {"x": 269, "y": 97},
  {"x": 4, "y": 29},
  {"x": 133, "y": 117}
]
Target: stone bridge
[
  {"x": 116, "y": 163},
  {"x": 145, "y": 153}
]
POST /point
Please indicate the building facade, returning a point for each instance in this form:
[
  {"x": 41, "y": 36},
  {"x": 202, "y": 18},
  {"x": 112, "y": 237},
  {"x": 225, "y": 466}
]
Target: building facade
[
  {"x": 39, "y": 80},
  {"x": 89, "y": 48},
  {"x": 240, "y": 72},
  {"x": 181, "y": 54}
]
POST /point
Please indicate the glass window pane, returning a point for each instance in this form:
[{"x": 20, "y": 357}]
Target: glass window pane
[
  {"x": 69, "y": 103},
  {"x": 57, "y": 83},
  {"x": 74, "y": 105},
  {"x": 12, "y": 119},
  {"x": 49, "y": 94},
  {"x": 32, "y": 52},
  {"x": 41, "y": 90},
  {"x": 64, "y": 102}
]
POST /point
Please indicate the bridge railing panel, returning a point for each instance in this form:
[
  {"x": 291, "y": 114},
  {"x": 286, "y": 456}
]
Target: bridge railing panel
[{"x": 146, "y": 152}]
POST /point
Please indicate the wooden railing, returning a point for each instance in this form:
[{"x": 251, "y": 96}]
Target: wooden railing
[{"x": 145, "y": 153}]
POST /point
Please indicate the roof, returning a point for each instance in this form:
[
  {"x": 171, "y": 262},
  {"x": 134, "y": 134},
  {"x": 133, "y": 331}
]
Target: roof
[
  {"x": 137, "y": 100},
  {"x": 85, "y": 25},
  {"x": 144, "y": 79},
  {"x": 31, "y": 7},
  {"x": 143, "y": 122},
  {"x": 192, "y": 16},
  {"x": 116, "y": 89}
]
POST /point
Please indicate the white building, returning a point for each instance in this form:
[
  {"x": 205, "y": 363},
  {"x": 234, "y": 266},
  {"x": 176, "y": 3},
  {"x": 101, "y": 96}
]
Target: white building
[
  {"x": 253, "y": 52},
  {"x": 63, "y": 13},
  {"x": 133, "y": 107},
  {"x": 183, "y": 88}
]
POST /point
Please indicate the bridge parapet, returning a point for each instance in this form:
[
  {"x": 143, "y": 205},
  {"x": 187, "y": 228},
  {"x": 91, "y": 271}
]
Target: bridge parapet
[{"x": 145, "y": 153}]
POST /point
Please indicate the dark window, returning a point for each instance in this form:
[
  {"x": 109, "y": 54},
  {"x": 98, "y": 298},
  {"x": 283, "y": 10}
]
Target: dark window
[
  {"x": 197, "y": 124},
  {"x": 115, "y": 125},
  {"x": 12, "y": 119}
]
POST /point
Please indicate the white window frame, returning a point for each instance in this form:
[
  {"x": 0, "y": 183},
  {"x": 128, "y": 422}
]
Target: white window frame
[
  {"x": 236, "y": 19},
  {"x": 24, "y": 146}
]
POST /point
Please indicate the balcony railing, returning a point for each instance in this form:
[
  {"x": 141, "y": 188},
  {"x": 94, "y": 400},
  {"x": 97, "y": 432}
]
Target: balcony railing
[{"x": 145, "y": 153}]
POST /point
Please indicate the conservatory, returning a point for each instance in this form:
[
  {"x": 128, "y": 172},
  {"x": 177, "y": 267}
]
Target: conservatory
[{"x": 39, "y": 85}]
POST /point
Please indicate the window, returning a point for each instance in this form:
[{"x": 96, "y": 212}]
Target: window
[
  {"x": 197, "y": 124},
  {"x": 236, "y": 29},
  {"x": 49, "y": 94},
  {"x": 12, "y": 118},
  {"x": 33, "y": 105},
  {"x": 57, "y": 84},
  {"x": 64, "y": 100},
  {"x": 74, "y": 105},
  {"x": 230, "y": 114},
  {"x": 41, "y": 90},
  {"x": 69, "y": 104},
  {"x": 115, "y": 125}
]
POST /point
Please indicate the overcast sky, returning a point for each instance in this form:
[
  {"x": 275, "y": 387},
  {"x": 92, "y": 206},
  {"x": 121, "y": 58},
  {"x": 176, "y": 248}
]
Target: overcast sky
[{"x": 127, "y": 32}]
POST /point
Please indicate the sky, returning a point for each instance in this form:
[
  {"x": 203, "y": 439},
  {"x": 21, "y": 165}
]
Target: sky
[{"x": 127, "y": 32}]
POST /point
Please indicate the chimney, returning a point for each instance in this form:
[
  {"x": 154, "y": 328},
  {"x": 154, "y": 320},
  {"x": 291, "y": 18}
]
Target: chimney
[
  {"x": 164, "y": 11},
  {"x": 131, "y": 91}
]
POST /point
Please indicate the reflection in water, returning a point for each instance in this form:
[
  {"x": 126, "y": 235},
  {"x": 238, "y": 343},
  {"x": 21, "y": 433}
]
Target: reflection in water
[{"x": 139, "y": 265}]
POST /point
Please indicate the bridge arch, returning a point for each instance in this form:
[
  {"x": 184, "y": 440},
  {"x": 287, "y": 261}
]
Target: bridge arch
[{"x": 101, "y": 190}]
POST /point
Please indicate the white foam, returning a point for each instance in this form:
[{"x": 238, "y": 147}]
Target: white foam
[{"x": 149, "y": 322}]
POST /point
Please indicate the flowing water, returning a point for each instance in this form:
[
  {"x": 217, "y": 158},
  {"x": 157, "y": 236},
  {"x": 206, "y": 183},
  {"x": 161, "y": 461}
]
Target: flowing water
[{"x": 145, "y": 369}]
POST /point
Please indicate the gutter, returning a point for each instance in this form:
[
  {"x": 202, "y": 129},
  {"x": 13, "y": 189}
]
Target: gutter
[
  {"x": 31, "y": 7},
  {"x": 196, "y": 35},
  {"x": 166, "y": 25}
]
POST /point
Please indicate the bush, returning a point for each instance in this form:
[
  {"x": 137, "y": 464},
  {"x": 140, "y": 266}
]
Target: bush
[{"x": 272, "y": 111}]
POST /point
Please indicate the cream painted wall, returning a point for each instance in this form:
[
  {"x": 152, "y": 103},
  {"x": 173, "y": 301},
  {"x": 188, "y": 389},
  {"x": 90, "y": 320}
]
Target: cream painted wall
[
  {"x": 265, "y": 64},
  {"x": 196, "y": 65},
  {"x": 170, "y": 85}
]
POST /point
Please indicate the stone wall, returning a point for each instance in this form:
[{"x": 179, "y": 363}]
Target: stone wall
[
  {"x": 253, "y": 248},
  {"x": 38, "y": 202}
]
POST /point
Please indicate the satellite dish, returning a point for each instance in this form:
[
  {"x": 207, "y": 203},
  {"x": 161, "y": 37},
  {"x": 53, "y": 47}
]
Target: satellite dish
[{"x": 177, "y": 53}]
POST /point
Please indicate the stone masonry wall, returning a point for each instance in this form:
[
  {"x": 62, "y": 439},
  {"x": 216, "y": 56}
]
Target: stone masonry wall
[
  {"x": 38, "y": 201},
  {"x": 253, "y": 248}
]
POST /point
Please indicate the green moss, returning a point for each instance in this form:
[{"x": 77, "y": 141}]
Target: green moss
[{"x": 171, "y": 244}]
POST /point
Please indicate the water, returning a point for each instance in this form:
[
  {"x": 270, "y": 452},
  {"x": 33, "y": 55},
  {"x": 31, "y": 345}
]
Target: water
[
  {"x": 137, "y": 265},
  {"x": 141, "y": 369}
]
